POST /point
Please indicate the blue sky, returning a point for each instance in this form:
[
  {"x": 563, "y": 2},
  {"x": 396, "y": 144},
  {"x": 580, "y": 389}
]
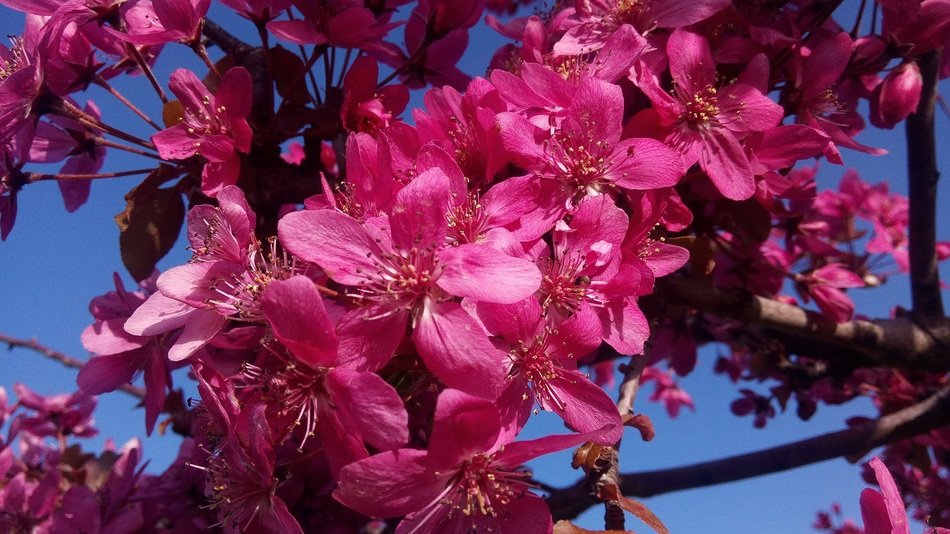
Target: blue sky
[{"x": 53, "y": 263}]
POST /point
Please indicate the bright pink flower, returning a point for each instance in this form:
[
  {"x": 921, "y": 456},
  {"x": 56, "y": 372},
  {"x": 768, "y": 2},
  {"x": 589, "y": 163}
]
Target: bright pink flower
[
  {"x": 57, "y": 415},
  {"x": 61, "y": 138},
  {"x": 119, "y": 356},
  {"x": 667, "y": 391},
  {"x": 153, "y": 22},
  {"x": 467, "y": 480},
  {"x": 367, "y": 108},
  {"x": 588, "y": 267},
  {"x": 543, "y": 368},
  {"x": 883, "y": 511},
  {"x": 341, "y": 24},
  {"x": 825, "y": 285},
  {"x": 820, "y": 106},
  {"x": 591, "y": 22},
  {"x": 258, "y": 10},
  {"x": 21, "y": 83},
  {"x": 707, "y": 122},
  {"x": 584, "y": 154},
  {"x": 214, "y": 126},
  {"x": 225, "y": 280},
  {"x": 294, "y": 155},
  {"x": 398, "y": 268},
  {"x": 241, "y": 485}
]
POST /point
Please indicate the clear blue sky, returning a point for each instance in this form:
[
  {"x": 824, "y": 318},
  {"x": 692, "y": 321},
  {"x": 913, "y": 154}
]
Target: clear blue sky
[{"x": 53, "y": 263}]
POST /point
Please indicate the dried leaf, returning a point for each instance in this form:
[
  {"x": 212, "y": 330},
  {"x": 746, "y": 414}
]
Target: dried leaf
[
  {"x": 642, "y": 423},
  {"x": 149, "y": 225},
  {"x": 566, "y": 527},
  {"x": 585, "y": 456},
  {"x": 289, "y": 73},
  {"x": 172, "y": 113},
  {"x": 610, "y": 492}
]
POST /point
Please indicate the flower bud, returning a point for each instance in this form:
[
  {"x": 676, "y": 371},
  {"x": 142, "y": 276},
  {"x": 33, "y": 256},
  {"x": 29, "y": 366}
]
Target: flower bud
[{"x": 897, "y": 96}]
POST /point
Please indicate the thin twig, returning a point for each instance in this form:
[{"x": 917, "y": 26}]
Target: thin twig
[
  {"x": 630, "y": 385},
  {"x": 101, "y": 82},
  {"x": 853, "y": 443},
  {"x": 68, "y": 361},
  {"x": 144, "y": 66},
  {"x": 37, "y": 177}
]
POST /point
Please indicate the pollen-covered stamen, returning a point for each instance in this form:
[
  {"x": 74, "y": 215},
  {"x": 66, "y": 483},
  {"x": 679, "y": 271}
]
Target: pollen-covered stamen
[
  {"x": 466, "y": 221},
  {"x": 241, "y": 292},
  {"x": 215, "y": 237},
  {"x": 828, "y": 103},
  {"x": 14, "y": 59},
  {"x": 401, "y": 279},
  {"x": 293, "y": 391},
  {"x": 206, "y": 119},
  {"x": 702, "y": 107},
  {"x": 467, "y": 147},
  {"x": 531, "y": 361},
  {"x": 484, "y": 488},
  {"x": 564, "y": 288},
  {"x": 583, "y": 162},
  {"x": 235, "y": 490}
]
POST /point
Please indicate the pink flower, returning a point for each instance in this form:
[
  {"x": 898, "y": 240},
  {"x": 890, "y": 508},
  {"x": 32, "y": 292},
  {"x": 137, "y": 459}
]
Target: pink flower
[
  {"x": 57, "y": 415},
  {"x": 399, "y": 268},
  {"x": 667, "y": 391},
  {"x": 543, "y": 368},
  {"x": 590, "y": 23},
  {"x": 825, "y": 285},
  {"x": 467, "y": 480},
  {"x": 706, "y": 122},
  {"x": 153, "y": 22},
  {"x": 341, "y": 24},
  {"x": 258, "y": 10},
  {"x": 21, "y": 82},
  {"x": 119, "y": 356},
  {"x": 213, "y": 126},
  {"x": 367, "y": 108},
  {"x": 584, "y": 154}
]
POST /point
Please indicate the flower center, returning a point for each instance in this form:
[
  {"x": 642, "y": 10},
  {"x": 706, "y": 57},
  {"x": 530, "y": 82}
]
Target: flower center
[
  {"x": 702, "y": 108},
  {"x": 485, "y": 489},
  {"x": 14, "y": 60},
  {"x": 466, "y": 222}
]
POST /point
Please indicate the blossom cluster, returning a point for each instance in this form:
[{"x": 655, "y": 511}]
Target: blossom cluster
[{"x": 374, "y": 315}]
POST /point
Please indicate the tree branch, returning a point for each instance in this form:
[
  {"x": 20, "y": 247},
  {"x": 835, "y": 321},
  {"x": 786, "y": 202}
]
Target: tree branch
[
  {"x": 68, "y": 361},
  {"x": 853, "y": 443},
  {"x": 899, "y": 343},
  {"x": 922, "y": 178}
]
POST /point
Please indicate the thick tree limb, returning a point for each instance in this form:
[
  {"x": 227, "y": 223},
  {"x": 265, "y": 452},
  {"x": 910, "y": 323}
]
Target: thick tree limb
[
  {"x": 899, "y": 343},
  {"x": 853, "y": 443},
  {"x": 68, "y": 361},
  {"x": 922, "y": 188}
]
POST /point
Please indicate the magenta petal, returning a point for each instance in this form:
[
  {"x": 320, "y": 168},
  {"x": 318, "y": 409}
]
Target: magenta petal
[
  {"x": 157, "y": 315},
  {"x": 744, "y": 109},
  {"x": 514, "y": 322},
  {"x": 390, "y": 484},
  {"x": 519, "y": 452},
  {"x": 464, "y": 426},
  {"x": 577, "y": 336},
  {"x": 110, "y": 337},
  {"x": 482, "y": 273},
  {"x": 369, "y": 336},
  {"x": 371, "y": 405},
  {"x": 297, "y": 31},
  {"x": 175, "y": 143},
  {"x": 587, "y": 408},
  {"x": 332, "y": 240},
  {"x": 341, "y": 444},
  {"x": 454, "y": 347},
  {"x": 652, "y": 165},
  {"x": 727, "y": 166},
  {"x": 235, "y": 93},
  {"x": 295, "y": 311},
  {"x": 418, "y": 215},
  {"x": 106, "y": 373},
  {"x": 874, "y": 513},
  {"x": 199, "y": 329},
  {"x": 896, "y": 512},
  {"x": 691, "y": 62},
  {"x": 192, "y": 283},
  {"x": 625, "y": 327}
]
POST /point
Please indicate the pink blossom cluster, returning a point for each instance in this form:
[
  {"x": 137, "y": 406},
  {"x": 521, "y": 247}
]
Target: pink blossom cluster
[{"x": 373, "y": 316}]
